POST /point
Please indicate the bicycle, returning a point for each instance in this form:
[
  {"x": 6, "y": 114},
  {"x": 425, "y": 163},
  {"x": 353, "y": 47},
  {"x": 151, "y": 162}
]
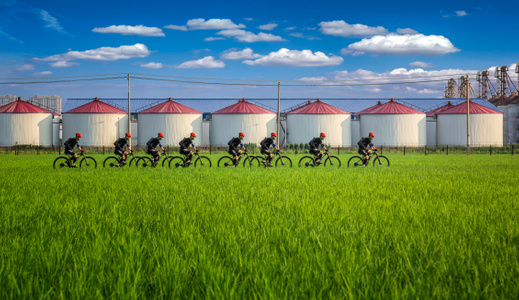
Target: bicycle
[
  {"x": 311, "y": 161},
  {"x": 117, "y": 162},
  {"x": 63, "y": 161},
  {"x": 248, "y": 162},
  {"x": 145, "y": 161},
  {"x": 357, "y": 161},
  {"x": 201, "y": 161},
  {"x": 282, "y": 161}
]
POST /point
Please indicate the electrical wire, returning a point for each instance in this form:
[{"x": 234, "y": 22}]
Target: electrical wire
[
  {"x": 55, "y": 77},
  {"x": 58, "y": 81}
]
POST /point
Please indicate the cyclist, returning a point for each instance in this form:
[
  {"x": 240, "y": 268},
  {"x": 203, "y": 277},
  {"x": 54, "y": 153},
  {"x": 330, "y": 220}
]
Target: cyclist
[
  {"x": 314, "y": 146},
  {"x": 120, "y": 144},
  {"x": 365, "y": 146},
  {"x": 234, "y": 144},
  {"x": 185, "y": 144},
  {"x": 69, "y": 147},
  {"x": 152, "y": 144},
  {"x": 265, "y": 145}
]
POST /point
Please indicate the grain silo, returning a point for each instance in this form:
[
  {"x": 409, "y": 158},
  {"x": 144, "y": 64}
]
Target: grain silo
[
  {"x": 486, "y": 125},
  {"x": 100, "y": 124},
  {"x": 394, "y": 124},
  {"x": 24, "y": 123},
  {"x": 256, "y": 122},
  {"x": 432, "y": 124},
  {"x": 173, "y": 119},
  {"x": 308, "y": 121}
]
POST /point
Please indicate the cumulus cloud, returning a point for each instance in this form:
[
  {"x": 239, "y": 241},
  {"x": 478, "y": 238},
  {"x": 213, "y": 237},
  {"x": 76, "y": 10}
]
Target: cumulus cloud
[
  {"x": 131, "y": 30},
  {"x": 44, "y": 73},
  {"x": 269, "y": 26},
  {"x": 406, "y": 31},
  {"x": 420, "y": 64},
  {"x": 152, "y": 65},
  {"x": 407, "y": 44},
  {"x": 461, "y": 13},
  {"x": 295, "y": 58},
  {"x": 63, "y": 64},
  {"x": 207, "y": 62},
  {"x": 25, "y": 67},
  {"x": 249, "y": 37},
  {"x": 246, "y": 53},
  {"x": 202, "y": 24},
  {"x": 341, "y": 28},
  {"x": 103, "y": 53}
]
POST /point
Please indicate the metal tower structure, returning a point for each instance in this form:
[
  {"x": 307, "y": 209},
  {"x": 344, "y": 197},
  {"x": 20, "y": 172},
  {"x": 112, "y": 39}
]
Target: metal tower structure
[
  {"x": 485, "y": 86},
  {"x": 451, "y": 89}
]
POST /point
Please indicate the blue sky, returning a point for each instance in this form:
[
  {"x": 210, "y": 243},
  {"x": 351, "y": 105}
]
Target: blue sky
[{"x": 295, "y": 42}]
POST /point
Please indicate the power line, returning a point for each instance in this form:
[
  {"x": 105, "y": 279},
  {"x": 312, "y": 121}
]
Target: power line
[
  {"x": 56, "y": 77},
  {"x": 58, "y": 81}
]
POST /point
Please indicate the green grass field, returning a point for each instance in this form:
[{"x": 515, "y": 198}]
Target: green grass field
[{"x": 436, "y": 226}]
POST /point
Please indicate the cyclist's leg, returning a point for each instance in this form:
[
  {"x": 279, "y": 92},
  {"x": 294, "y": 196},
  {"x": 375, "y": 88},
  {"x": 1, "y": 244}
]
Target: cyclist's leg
[
  {"x": 234, "y": 155},
  {"x": 69, "y": 151}
]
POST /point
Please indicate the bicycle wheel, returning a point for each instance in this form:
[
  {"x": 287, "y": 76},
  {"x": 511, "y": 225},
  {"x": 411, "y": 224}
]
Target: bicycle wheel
[
  {"x": 203, "y": 162},
  {"x": 225, "y": 161},
  {"x": 176, "y": 162},
  {"x": 283, "y": 162},
  {"x": 251, "y": 162},
  {"x": 88, "y": 162},
  {"x": 381, "y": 161},
  {"x": 332, "y": 162},
  {"x": 111, "y": 162},
  {"x": 355, "y": 161},
  {"x": 133, "y": 162},
  {"x": 145, "y": 162},
  {"x": 306, "y": 161},
  {"x": 60, "y": 162}
]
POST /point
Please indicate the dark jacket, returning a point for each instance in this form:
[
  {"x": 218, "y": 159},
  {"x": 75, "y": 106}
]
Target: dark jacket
[
  {"x": 121, "y": 143},
  {"x": 316, "y": 142},
  {"x": 153, "y": 143},
  {"x": 185, "y": 143},
  {"x": 234, "y": 143},
  {"x": 70, "y": 143},
  {"x": 267, "y": 142},
  {"x": 365, "y": 143}
]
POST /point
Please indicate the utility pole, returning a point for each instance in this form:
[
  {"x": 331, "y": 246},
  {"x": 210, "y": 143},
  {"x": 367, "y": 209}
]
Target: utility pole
[
  {"x": 279, "y": 114},
  {"x": 129, "y": 114},
  {"x": 467, "y": 82}
]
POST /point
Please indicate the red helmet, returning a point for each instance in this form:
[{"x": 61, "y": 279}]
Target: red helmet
[
  {"x": 193, "y": 134},
  {"x": 78, "y": 134},
  {"x": 273, "y": 134},
  {"x": 242, "y": 134},
  {"x": 371, "y": 134},
  {"x": 128, "y": 134},
  {"x": 161, "y": 134},
  {"x": 323, "y": 134}
]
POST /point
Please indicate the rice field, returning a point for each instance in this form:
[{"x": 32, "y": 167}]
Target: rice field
[{"x": 435, "y": 226}]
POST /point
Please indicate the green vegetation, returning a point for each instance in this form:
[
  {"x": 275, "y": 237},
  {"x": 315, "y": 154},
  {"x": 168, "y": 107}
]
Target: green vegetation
[{"x": 435, "y": 226}]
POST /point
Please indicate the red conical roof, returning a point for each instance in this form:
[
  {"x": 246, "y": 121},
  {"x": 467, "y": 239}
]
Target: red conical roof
[
  {"x": 170, "y": 107},
  {"x": 317, "y": 107},
  {"x": 20, "y": 106},
  {"x": 439, "y": 109},
  {"x": 391, "y": 107},
  {"x": 96, "y": 107},
  {"x": 474, "y": 109},
  {"x": 243, "y": 107}
]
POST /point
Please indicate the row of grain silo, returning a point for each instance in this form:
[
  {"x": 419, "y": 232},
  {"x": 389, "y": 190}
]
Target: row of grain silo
[{"x": 394, "y": 124}]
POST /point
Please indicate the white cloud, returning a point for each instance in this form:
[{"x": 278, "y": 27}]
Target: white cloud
[
  {"x": 207, "y": 62},
  {"x": 202, "y": 24},
  {"x": 291, "y": 28},
  {"x": 25, "y": 67},
  {"x": 152, "y": 65},
  {"x": 300, "y": 35},
  {"x": 131, "y": 30},
  {"x": 246, "y": 53},
  {"x": 51, "y": 22},
  {"x": 44, "y": 73},
  {"x": 63, "y": 64},
  {"x": 210, "y": 39},
  {"x": 406, "y": 31},
  {"x": 420, "y": 64},
  {"x": 249, "y": 19},
  {"x": 313, "y": 79},
  {"x": 103, "y": 53},
  {"x": 295, "y": 58},
  {"x": 249, "y": 37},
  {"x": 461, "y": 13},
  {"x": 341, "y": 28},
  {"x": 269, "y": 26},
  {"x": 407, "y": 44}
]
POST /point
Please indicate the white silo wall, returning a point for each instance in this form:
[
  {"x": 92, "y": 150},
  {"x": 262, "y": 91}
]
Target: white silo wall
[
  {"x": 485, "y": 129},
  {"x": 355, "y": 132},
  {"x": 26, "y": 129},
  {"x": 175, "y": 127},
  {"x": 303, "y": 127},
  {"x": 255, "y": 126},
  {"x": 55, "y": 133},
  {"x": 395, "y": 129},
  {"x": 97, "y": 129},
  {"x": 431, "y": 133}
]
